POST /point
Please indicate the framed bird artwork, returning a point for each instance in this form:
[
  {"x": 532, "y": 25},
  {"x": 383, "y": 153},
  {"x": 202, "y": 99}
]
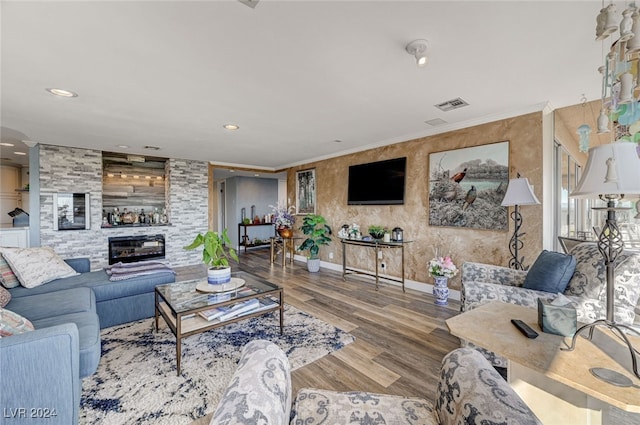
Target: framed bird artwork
[{"x": 467, "y": 185}]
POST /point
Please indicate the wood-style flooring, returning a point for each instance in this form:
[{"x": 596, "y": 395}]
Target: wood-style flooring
[{"x": 401, "y": 338}]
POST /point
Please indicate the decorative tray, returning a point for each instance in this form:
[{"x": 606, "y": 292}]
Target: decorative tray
[{"x": 234, "y": 284}]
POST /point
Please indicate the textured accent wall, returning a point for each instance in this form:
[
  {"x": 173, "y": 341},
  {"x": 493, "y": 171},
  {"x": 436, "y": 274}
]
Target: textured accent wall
[
  {"x": 65, "y": 169},
  {"x": 525, "y": 156}
]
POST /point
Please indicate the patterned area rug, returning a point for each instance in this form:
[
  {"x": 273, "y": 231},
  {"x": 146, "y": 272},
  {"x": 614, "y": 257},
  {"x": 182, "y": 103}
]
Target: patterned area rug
[{"x": 136, "y": 381}]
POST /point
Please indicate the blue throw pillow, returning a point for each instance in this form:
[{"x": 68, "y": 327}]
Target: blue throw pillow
[{"x": 551, "y": 272}]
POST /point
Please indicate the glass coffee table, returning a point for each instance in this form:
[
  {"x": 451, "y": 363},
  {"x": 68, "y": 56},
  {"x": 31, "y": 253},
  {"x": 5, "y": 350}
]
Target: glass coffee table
[{"x": 184, "y": 305}]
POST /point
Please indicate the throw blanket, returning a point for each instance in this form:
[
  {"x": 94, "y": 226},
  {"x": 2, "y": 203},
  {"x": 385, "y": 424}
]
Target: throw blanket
[{"x": 122, "y": 271}]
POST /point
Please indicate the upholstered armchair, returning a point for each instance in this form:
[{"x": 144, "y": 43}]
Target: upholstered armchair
[
  {"x": 469, "y": 390},
  {"x": 483, "y": 283}
]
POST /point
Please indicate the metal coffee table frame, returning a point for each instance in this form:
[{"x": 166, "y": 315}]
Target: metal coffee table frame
[{"x": 179, "y": 304}]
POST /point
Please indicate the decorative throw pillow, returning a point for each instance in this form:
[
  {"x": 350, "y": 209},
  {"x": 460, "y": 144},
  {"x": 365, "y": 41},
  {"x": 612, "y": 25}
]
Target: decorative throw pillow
[
  {"x": 5, "y": 296},
  {"x": 12, "y": 323},
  {"x": 590, "y": 276},
  {"x": 7, "y": 278},
  {"x": 36, "y": 266},
  {"x": 550, "y": 272}
]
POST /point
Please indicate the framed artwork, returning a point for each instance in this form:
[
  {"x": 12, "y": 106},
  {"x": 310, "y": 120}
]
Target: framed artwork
[
  {"x": 466, "y": 187},
  {"x": 71, "y": 211},
  {"x": 306, "y": 192}
]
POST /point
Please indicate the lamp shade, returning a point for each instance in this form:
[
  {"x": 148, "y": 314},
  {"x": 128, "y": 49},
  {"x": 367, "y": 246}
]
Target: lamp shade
[
  {"x": 519, "y": 192},
  {"x": 612, "y": 169}
]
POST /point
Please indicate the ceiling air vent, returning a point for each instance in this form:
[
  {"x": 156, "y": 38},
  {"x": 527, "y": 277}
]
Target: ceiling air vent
[
  {"x": 251, "y": 3},
  {"x": 436, "y": 121},
  {"x": 450, "y": 105}
]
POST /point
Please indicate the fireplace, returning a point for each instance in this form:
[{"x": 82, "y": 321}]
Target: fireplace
[{"x": 127, "y": 249}]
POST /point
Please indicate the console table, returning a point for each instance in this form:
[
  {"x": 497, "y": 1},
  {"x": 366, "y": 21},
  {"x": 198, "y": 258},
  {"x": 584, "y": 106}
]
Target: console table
[
  {"x": 555, "y": 384},
  {"x": 243, "y": 240},
  {"x": 377, "y": 247}
]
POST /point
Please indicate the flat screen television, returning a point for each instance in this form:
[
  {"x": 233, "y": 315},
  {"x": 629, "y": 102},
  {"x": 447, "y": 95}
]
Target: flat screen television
[{"x": 377, "y": 183}]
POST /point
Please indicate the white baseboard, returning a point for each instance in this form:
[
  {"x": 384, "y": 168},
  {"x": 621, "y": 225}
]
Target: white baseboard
[{"x": 409, "y": 284}]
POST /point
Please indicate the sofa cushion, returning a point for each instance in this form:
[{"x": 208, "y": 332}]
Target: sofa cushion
[
  {"x": 36, "y": 266},
  {"x": 12, "y": 323},
  {"x": 5, "y": 296},
  {"x": 88, "y": 337},
  {"x": 41, "y": 306},
  {"x": 550, "y": 272},
  {"x": 103, "y": 288},
  {"x": 7, "y": 277},
  {"x": 470, "y": 391},
  {"x": 313, "y": 406},
  {"x": 260, "y": 388}
]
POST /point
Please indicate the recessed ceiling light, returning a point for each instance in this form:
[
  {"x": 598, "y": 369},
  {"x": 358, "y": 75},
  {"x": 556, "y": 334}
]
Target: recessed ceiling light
[
  {"x": 109, "y": 174},
  {"x": 147, "y": 177},
  {"x": 20, "y": 153},
  {"x": 123, "y": 146},
  {"x": 231, "y": 127},
  {"x": 256, "y": 175},
  {"x": 136, "y": 177},
  {"x": 124, "y": 176},
  {"x": 62, "y": 92},
  {"x": 6, "y": 144}
]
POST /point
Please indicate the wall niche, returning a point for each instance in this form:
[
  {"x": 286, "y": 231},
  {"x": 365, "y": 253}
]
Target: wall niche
[{"x": 133, "y": 182}]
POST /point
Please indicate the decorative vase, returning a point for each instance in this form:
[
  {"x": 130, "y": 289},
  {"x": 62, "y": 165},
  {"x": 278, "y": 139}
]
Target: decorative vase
[
  {"x": 285, "y": 232},
  {"x": 313, "y": 265},
  {"x": 217, "y": 276},
  {"x": 440, "y": 290}
]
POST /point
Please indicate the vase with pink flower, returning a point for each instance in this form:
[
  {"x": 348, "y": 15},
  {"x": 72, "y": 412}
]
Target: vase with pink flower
[{"x": 442, "y": 269}]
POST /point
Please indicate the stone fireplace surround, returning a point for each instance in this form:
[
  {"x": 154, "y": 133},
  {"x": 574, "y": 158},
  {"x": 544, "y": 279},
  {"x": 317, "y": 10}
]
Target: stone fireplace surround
[{"x": 65, "y": 169}]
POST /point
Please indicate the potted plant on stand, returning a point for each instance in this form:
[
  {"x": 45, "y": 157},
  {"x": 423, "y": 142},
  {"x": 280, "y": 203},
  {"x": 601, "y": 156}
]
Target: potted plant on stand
[
  {"x": 317, "y": 230},
  {"x": 442, "y": 269},
  {"x": 215, "y": 254}
]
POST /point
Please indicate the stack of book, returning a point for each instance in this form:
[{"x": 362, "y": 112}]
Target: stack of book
[{"x": 245, "y": 307}]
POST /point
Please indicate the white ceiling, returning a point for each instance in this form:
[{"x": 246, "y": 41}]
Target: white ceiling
[{"x": 294, "y": 75}]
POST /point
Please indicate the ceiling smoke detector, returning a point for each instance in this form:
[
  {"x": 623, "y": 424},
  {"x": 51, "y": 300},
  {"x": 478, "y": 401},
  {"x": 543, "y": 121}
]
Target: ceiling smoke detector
[{"x": 452, "y": 104}]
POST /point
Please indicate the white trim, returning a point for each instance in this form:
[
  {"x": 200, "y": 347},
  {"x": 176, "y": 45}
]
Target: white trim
[
  {"x": 543, "y": 106},
  {"x": 409, "y": 284}
]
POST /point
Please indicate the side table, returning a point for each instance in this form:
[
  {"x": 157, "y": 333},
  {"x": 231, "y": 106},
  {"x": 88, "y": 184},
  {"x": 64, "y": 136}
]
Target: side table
[{"x": 286, "y": 245}]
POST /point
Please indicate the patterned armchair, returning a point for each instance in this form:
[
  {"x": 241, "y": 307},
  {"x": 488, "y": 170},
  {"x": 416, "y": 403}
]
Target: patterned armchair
[
  {"x": 483, "y": 283},
  {"x": 469, "y": 391}
]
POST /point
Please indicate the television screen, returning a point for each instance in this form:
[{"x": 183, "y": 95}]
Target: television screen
[{"x": 377, "y": 183}]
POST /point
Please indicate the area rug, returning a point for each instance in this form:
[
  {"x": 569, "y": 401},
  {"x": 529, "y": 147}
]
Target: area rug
[{"x": 136, "y": 381}]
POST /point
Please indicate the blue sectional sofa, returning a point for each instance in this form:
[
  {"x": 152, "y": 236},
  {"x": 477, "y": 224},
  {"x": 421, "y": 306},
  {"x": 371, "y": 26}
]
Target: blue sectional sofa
[{"x": 41, "y": 370}]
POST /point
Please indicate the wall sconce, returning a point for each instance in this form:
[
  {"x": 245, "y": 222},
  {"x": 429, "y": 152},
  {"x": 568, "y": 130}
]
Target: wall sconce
[{"x": 418, "y": 48}]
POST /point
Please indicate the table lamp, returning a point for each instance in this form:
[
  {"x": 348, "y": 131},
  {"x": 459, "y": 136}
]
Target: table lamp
[
  {"x": 519, "y": 192},
  {"x": 612, "y": 171}
]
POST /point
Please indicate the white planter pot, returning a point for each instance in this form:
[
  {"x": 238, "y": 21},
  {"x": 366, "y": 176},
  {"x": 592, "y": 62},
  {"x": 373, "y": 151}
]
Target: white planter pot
[
  {"x": 219, "y": 275},
  {"x": 313, "y": 265}
]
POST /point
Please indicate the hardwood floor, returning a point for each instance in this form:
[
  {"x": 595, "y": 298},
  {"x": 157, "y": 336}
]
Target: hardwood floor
[{"x": 400, "y": 337}]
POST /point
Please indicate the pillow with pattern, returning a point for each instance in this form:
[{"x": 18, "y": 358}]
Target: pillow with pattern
[
  {"x": 36, "y": 266},
  {"x": 590, "y": 277},
  {"x": 5, "y": 296},
  {"x": 7, "y": 278},
  {"x": 12, "y": 323}
]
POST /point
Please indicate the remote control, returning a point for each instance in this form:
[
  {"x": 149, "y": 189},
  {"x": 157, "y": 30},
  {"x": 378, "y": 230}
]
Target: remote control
[{"x": 524, "y": 328}]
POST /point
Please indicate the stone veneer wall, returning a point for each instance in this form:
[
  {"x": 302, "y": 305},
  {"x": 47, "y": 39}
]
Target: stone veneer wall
[
  {"x": 525, "y": 134},
  {"x": 64, "y": 169}
]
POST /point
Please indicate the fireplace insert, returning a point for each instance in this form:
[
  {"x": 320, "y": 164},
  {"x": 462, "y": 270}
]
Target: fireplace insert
[{"x": 128, "y": 249}]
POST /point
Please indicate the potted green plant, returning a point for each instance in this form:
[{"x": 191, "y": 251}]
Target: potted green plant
[
  {"x": 317, "y": 230},
  {"x": 377, "y": 232},
  {"x": 216, "y": 253}
]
